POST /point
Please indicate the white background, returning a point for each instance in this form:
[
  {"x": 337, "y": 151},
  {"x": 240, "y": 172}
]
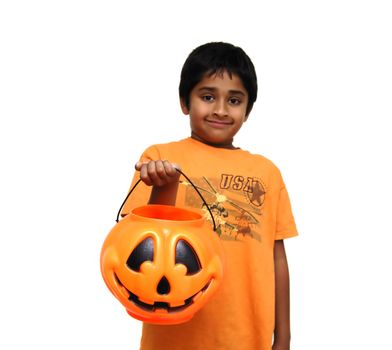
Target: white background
[{"x": 85, "y": 86}]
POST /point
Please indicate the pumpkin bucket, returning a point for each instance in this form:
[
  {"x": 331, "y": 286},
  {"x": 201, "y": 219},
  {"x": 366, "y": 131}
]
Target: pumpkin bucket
[{"x": 163, "y": 263}]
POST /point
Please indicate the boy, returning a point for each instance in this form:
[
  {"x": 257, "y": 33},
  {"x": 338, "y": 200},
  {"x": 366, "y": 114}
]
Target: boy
[{"x": 249, "y": 201}]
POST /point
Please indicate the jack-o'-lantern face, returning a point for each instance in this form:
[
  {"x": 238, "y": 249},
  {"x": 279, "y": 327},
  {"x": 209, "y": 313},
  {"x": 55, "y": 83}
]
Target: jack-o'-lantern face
[{"x": 162, "y": 263}]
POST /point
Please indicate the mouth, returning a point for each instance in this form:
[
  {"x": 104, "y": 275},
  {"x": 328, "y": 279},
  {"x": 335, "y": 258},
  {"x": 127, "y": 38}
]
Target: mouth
[
  {"x": 218, "y": 123},
  {"x": 160, "y": 305}
]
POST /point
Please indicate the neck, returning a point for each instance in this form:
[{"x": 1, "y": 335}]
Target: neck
[{"x": 228, "y": 145}]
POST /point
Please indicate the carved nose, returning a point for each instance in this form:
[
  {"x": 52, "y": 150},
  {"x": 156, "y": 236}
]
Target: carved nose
[{"x": 163, "y": 286}]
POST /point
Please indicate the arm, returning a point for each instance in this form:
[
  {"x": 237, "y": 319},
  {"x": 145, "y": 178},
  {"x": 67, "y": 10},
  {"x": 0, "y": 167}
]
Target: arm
[
  {"x": 282, "y": 299},
  {"x": 162, "y": 175}
]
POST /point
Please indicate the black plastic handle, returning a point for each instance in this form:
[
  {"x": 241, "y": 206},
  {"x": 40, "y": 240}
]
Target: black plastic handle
[{"x": 188, "y": 179}]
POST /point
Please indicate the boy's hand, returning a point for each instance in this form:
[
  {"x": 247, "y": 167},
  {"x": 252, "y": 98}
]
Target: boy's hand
[
  {"x": 158, "y": 172},
  {"x": 162, "y": 175}
]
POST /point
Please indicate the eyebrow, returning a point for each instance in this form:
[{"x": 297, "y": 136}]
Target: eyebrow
[{"x": 212, "y": 89}]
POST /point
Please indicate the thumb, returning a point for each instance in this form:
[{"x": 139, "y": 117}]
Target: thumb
[{"x": 176, "y": 166}]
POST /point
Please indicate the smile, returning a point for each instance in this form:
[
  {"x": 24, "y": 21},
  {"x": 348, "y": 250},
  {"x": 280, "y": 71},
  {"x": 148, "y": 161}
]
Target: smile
[
  {"x": 159, "y": 305},
  {"x": 218, "y": 122}
]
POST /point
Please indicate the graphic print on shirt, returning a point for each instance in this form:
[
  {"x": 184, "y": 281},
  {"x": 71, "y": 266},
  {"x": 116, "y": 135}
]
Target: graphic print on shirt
[{"x": 235, "y": 201}]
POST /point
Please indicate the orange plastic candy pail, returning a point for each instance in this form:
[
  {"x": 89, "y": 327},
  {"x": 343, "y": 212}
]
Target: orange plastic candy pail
[{"x": 163, "y": 263}]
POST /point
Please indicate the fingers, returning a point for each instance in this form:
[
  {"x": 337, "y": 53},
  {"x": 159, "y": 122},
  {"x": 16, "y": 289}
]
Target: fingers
[
  {"x": 138, "y": 165},
  {"x": 158, "y": 173}
]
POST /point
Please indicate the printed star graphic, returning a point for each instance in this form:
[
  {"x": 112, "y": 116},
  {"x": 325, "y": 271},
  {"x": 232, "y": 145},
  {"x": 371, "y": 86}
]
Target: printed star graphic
[{"x": 257, "y": 192}]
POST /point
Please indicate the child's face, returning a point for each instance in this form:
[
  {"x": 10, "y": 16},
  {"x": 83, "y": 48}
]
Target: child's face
[{"x": 217, "y": 109}]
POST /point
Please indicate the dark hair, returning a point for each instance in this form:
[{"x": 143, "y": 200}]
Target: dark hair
[{"x": 213, "y": 58}]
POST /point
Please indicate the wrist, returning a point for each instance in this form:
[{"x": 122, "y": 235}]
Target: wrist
[{"x": 164, "y": 194}]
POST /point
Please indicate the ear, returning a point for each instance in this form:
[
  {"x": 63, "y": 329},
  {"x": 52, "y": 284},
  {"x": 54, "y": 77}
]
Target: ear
[{"x": 184, "y": 108}]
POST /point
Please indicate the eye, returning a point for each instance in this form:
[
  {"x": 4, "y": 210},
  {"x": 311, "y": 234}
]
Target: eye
[
  {"x": 187, "y": 256},
  {"x": 207, "y": 98},
  {"x": 234, "y": 101},
  {"x": 144, "y": 251}
]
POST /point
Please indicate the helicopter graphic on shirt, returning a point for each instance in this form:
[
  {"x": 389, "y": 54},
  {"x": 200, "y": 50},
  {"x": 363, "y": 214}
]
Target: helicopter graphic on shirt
[{"x": 231, "y": 218}]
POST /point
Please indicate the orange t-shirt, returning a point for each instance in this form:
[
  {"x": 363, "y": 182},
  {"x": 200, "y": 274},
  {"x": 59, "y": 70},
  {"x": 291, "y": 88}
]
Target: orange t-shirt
[{"x": 251, "y": 208}]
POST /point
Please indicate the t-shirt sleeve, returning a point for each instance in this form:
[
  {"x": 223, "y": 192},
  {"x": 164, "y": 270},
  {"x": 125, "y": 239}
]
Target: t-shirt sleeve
[
  {"x": 141, "y": 193},
  {"x": 285, "y": 224}
]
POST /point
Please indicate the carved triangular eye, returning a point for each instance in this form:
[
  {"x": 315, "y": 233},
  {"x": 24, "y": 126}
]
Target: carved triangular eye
[
  {"x": 186, "y": 255},
  {"x": 144, "y": 251}
]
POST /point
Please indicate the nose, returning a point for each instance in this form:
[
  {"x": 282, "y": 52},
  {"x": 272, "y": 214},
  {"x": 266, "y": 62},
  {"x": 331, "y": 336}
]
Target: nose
[
  {"x": 220, "y": 108},
  {"x": 163, "y": 286}
]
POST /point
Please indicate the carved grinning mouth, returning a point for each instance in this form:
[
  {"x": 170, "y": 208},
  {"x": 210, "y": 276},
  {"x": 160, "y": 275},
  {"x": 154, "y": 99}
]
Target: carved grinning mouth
[{"x": 159, "y": 304}]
